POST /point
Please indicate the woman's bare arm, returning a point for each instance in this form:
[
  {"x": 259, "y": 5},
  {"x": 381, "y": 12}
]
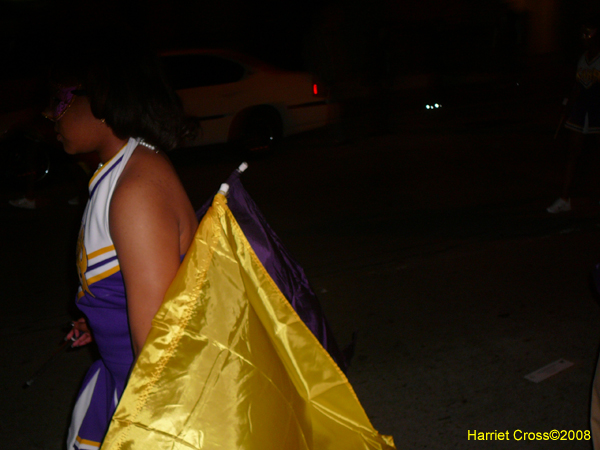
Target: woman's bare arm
[{"x": 145, "y": 225}]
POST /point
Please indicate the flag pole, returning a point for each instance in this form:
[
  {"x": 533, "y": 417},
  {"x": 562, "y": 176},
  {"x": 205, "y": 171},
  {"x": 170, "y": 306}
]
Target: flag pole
[{"x": 44, "y": 366}]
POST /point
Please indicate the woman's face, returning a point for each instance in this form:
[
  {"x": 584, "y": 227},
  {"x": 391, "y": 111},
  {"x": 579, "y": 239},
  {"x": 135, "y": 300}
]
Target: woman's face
[{"x": 78, "y": 129}]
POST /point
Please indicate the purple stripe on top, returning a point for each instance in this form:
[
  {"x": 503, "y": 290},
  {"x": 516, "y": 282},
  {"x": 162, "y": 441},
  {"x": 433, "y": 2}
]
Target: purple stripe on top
[
  {"x": 283, "y": 269},
  {"x": 104, "y": 175}
]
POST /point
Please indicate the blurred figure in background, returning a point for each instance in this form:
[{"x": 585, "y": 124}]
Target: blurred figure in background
[{"x": 583, "y": 117}]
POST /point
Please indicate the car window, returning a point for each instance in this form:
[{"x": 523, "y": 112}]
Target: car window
[{"x": 188, "y": 71}]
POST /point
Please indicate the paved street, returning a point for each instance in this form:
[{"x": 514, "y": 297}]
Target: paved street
[{"x": 431, "y": 241}]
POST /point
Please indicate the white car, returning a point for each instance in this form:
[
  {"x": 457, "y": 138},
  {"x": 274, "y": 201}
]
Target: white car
[{"x": 241, "y": 100}]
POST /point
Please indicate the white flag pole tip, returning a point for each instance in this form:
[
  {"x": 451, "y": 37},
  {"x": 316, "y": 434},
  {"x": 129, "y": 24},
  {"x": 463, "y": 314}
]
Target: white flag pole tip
[{"x": 224, "y": 189}]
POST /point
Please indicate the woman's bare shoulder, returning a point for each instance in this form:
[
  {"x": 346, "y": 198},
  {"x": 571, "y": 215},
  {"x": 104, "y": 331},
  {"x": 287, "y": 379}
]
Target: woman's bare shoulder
[
  {"x": 148, "y": 182},
  {"x": 150, "y": 199}
]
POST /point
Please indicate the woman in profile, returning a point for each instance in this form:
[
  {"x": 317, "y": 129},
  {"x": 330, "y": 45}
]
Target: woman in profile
[{"x": 112, "y": 99}]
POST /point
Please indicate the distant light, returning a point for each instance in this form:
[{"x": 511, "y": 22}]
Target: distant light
[
  {"x": 436, "y": 105},
  {"x": 427, "y": 106},
  {"x": 315, "y": 89}
]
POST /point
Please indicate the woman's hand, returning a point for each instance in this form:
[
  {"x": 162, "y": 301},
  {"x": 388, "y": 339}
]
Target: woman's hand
[{"x": 80, "y": 334}]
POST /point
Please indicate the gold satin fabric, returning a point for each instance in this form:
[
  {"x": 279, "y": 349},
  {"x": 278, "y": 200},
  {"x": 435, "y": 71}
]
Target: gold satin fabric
[{"x": 229, "y": 364}]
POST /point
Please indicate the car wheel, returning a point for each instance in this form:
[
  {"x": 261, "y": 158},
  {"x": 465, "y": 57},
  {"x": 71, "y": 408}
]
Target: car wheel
[{"x": 261, "y": 132}]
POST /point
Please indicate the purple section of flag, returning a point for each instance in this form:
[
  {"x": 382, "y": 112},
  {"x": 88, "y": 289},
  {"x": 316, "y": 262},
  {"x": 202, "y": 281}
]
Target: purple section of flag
[{"x": 283, "y": 269}]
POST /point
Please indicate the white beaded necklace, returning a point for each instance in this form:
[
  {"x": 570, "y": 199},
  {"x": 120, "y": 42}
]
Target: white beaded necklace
[
  {"x": 143, "y": 143},
  {"x": 150, "y": 146}
]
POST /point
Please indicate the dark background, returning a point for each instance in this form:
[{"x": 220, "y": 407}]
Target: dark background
[
  {"x": 431, "y": 240},
  {"x": 444, "y": 37}
]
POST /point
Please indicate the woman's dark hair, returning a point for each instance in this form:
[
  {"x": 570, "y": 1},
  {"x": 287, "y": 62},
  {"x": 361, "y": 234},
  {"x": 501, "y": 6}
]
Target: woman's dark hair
[{"x": 126, "y": 86}]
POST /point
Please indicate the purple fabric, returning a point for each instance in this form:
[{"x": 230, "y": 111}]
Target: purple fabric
[
  {"x": 285, "y": 271},
  {"x": 106, "y": 313},
  {"x": 102, "y": 405}
]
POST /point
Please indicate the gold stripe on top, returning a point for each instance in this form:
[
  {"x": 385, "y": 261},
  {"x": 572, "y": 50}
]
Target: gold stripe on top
[
  {"x": 101, "y": 252},
  {"x": 86, "y": 442}
]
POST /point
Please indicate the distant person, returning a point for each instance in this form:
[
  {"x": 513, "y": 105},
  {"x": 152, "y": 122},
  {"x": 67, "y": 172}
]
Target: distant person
[
  {"x": 112, "y": 100},
  {"x": 584, "y": 113}
]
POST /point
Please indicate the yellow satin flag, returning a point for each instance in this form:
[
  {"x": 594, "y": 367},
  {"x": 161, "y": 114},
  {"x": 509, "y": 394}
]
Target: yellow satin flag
[{"x": 229, "y": 364}]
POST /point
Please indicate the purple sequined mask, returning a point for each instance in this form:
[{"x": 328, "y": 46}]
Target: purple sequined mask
[{"x": 62, "y": 99}]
